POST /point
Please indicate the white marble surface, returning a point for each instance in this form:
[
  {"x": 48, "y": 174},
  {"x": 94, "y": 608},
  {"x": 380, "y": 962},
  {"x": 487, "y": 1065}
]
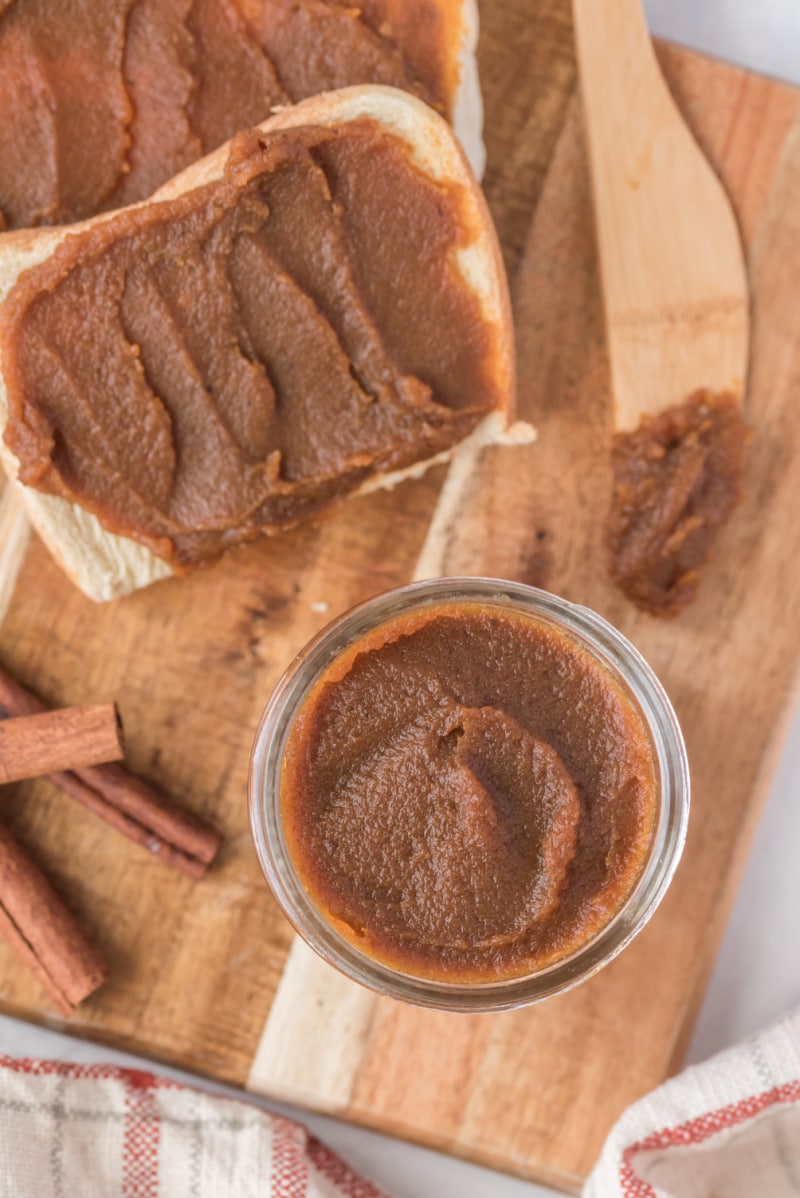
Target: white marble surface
[
  {"x": 761, "y": 34},
  {"x": 756, "y": 976}
]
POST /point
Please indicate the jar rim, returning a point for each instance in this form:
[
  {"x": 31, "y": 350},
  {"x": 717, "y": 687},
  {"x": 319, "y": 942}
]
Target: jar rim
[{"x": 607, "y": 645}]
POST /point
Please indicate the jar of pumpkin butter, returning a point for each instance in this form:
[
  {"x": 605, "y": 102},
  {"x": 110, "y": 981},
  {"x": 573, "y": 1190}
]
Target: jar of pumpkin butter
[{"x": 469, "y": 794}]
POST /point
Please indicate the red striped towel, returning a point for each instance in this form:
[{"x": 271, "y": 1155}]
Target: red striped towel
[
  {"x": 729, "y": 1128},
  {"x": 98, "y": 1131}
]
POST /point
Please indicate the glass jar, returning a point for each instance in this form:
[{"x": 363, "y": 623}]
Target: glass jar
[{"x": 607, "y": 646}]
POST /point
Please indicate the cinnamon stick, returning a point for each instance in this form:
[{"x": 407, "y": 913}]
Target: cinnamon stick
[
  {"x": 69, "y": 738},
  {"x": 38, "y": 926},
  {"x": 142, "y": 802},
  {"x": 84, "y": 787},
  {"x": 134, "y": 807}
]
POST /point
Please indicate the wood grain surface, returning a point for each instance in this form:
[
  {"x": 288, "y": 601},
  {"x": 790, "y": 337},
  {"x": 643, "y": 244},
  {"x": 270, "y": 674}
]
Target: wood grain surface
[{"x": 191, "y": 663}]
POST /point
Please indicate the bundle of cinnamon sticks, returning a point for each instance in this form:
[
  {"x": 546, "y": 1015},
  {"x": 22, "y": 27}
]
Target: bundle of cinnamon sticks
[{"x": 76, "y": 748}]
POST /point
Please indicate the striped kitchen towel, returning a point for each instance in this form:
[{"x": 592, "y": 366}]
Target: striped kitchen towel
[
  {"x": 729, "y": 1128},
  {"x": 101, "y": 1132}
]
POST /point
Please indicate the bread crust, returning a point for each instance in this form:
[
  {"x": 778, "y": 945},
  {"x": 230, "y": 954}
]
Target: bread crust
[
  {"x": 466, "y": 113},
  {"x": 105, "y": 565}
]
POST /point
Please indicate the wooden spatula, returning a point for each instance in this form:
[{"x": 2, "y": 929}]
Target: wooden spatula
[
  {"x": 674, "y": 283},
  {"x": 674, "y": 280}
]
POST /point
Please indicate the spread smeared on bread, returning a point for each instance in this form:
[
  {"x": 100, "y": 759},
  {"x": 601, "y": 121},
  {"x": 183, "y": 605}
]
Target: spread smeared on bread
[
  {"x": 324, "y": 307},
  {"x": 102, "y": 103}
]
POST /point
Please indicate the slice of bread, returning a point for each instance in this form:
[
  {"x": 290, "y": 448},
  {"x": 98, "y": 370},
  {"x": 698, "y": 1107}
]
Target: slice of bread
[
  {"x": 105, "y": 565},
  {"x": 98, "y": 114}
]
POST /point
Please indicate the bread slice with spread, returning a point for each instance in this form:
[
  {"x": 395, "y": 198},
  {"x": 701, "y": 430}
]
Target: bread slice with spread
[
  {"x": 316, "y": 309},
  {"x": 98, "y": 111}
]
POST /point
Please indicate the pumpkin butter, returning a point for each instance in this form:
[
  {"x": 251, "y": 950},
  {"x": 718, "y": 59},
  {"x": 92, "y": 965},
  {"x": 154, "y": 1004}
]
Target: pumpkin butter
[
  {"x": 677, "y": 478},
  {"x": 468, "y": 794},
  {"x": 101, "y": 103},
  {"x": 200, "y": 370}
]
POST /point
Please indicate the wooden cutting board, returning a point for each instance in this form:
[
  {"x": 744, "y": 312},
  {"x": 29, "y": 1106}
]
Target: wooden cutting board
[{"x": 202, "y": 976}]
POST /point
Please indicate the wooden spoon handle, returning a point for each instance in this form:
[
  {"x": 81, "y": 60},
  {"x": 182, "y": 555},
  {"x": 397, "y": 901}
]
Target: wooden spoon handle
[
  {"x": 673, "y": 276},
  {"x": 615, "y": 50}
]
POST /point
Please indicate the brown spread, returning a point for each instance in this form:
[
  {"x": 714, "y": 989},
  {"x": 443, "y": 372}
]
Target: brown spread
[
  {"x": 101, "y": 103},
  {"x": 207, "y": 368},
  {"x": 468, "y": 794},
  {"x": 677, "y": 478}
]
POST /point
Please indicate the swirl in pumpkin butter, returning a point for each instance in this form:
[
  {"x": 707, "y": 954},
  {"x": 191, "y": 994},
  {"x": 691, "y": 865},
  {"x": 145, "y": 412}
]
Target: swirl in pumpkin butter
[
  {"x": 468, "y": 794},
  {"x": 203, "y": 369}
]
